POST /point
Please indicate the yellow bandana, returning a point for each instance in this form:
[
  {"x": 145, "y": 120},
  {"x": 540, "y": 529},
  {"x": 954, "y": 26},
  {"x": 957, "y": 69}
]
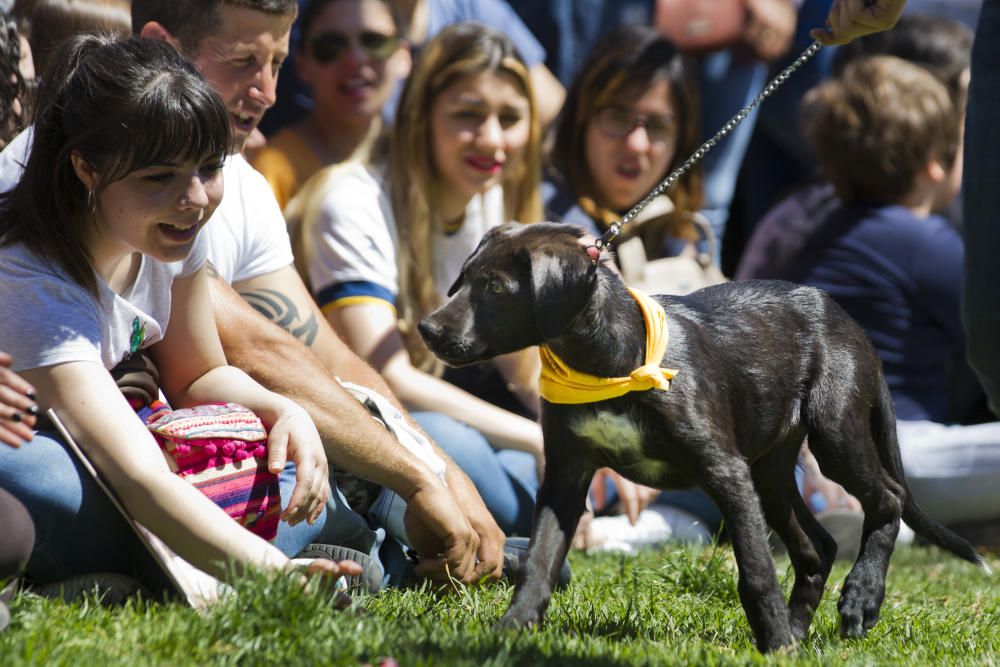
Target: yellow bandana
[{"x": 561, "y": 384}]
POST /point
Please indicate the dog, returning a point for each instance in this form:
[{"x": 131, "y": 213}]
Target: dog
[{"x": 760, "y": 365}]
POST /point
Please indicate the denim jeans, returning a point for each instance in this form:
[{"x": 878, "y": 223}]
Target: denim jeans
[
  {"x": 981, "y": 201},
  {"x": 505, "y": 479},
  {"x": 78, "y": 530}
]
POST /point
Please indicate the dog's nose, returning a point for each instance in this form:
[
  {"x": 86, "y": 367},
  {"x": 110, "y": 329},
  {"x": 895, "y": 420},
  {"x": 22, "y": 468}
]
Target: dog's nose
[{"x": 429, "y": 330}]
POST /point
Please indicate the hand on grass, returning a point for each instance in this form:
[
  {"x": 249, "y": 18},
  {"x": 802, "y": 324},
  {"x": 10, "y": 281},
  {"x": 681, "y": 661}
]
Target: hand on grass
[
  {"x": 17, "y": 406},
  {"x": 442, "y": 536}
]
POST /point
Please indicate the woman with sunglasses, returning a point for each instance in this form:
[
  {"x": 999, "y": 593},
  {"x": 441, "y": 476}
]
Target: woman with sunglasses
[
  {"x": 383, "y": 243},
  {"x": 350, "y": 56}
]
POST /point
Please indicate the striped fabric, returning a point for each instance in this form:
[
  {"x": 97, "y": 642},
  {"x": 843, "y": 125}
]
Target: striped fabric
[{"x": 222, "y": 450}]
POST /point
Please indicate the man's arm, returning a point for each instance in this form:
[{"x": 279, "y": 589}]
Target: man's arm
[{"x": 303, "y": 367}]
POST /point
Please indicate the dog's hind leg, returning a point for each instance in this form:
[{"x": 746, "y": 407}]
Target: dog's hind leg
[
  {"x": 729, "y": 483},
  {"x": 810, "y": 548},
  {"x": 846, "y": 454}
]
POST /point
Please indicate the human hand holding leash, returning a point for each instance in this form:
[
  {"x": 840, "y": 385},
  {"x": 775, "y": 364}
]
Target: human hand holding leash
[
  {"x": 850, "y": 19},
  {"x": 17, "y": 405}
]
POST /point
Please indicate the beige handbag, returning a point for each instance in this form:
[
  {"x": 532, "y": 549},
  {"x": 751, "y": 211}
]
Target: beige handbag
[{"x": 670, "y": 275}]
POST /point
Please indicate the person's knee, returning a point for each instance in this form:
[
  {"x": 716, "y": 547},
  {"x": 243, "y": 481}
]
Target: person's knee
[
  {"x": 19, "y": 535},
  {"x": 43, "y": 476}
]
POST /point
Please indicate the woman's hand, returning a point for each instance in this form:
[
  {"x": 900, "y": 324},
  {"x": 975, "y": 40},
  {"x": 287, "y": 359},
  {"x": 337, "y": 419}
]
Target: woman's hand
[
  {"x": 633, "y": 497},
  {"x": 293, "y": 436},
  {"x": 17, "y": 406}
]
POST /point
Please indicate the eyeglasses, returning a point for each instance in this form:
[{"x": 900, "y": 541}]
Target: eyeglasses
[
  {"x": 328, "y": 46},
  {"x": 619, "y": 122}
]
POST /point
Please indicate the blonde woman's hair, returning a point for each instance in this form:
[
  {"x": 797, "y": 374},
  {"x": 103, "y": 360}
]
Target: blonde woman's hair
[{"x": 460, "y": 50}]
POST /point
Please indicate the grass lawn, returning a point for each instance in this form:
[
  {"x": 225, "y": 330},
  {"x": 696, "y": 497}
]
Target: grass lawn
[{"x": 671, "y": 606}]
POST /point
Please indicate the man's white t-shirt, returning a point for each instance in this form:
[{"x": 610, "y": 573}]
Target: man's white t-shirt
[
  {"x": 247, "y": 236},
  {"x": 351, "y": 241},
  {"x": 46, "y": 318}
]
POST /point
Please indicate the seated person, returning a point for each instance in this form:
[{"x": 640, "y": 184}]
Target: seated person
[
  {"x": 631, "y": 118},
  {"x": 251, "y": 261},
  {"x": 888, "y": 137},
  {"x": 350, "y": 55},
  {"x": 101, "y": 248},
  {"x": 383, "y": 243}
]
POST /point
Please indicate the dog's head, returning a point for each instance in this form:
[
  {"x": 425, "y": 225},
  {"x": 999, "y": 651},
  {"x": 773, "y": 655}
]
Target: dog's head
[{"x": 523, "y": 286}]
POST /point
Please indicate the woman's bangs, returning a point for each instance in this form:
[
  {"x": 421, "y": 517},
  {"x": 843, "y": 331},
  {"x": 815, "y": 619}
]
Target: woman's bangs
[{"x": 174, "y": 125}]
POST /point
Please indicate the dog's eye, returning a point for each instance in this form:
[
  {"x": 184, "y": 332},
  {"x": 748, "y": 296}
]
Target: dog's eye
[{"x": 496, "y": 286}]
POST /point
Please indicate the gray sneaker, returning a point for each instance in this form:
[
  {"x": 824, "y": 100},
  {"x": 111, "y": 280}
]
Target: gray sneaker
[{"x": 369, "y": 581}]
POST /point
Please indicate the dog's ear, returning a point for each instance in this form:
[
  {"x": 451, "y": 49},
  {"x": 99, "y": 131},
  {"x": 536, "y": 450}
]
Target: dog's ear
[
  {"x": 457, "y": 285},
  {"x": 561, "y": 284}
]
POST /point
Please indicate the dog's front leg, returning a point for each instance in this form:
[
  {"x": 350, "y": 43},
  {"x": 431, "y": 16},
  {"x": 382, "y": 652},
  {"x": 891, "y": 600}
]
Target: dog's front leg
[
  {"x": 729, "y": 483},
  {"x": 560, "y": 504}
]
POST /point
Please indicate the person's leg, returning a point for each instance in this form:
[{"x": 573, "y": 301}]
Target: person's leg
[
  {"x": 981, "y": 200},
  {"x": 77, "y": 528},
  {"x": 953, "y": 471},
  {"x": 473, "y": 454},
  {"x": 18, "y": 536}
]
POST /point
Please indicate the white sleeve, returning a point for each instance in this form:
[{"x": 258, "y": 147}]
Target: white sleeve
[
  {"x": 266, "y": 246},
  {"x": 348, "y": 236},
  {"x": 45, "y": 319},
  {"x": 14, "y": 157}
]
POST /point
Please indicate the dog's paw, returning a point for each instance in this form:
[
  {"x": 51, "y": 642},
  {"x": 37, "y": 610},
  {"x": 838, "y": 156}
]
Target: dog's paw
[
  {"x": 858, "y": 613},
  {"x": 514, "y": 620}
]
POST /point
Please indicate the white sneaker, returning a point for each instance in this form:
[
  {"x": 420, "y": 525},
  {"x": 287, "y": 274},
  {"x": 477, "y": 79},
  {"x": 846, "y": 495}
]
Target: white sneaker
[{"x": 656, "y": 524}]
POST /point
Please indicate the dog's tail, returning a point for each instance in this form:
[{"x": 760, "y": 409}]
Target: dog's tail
[{"x": 884, "y": 430}]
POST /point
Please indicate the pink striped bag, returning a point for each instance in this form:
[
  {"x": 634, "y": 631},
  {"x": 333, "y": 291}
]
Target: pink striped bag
[{"x": 222, "y": 450}]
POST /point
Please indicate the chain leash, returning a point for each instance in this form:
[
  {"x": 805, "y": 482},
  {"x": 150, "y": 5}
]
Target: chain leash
[{"x": 615, "y": 227}]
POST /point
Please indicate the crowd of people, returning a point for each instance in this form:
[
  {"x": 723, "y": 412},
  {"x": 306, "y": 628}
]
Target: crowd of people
[{"x": 153, "y": 236}]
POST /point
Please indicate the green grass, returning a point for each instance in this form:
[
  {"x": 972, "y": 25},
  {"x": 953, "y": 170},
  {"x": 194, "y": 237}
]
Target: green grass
[{"x": 672, "y": 606}]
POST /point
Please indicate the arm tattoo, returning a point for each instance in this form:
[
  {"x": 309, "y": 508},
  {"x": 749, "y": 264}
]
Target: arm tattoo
[{"x": 281, "y": 310}]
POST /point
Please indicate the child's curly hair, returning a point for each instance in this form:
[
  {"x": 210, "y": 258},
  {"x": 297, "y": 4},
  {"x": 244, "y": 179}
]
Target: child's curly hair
[{"x": 16, "y": 94}]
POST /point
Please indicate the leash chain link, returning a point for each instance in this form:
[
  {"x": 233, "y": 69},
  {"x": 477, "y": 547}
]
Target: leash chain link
[{"x": 730, "y": 125}]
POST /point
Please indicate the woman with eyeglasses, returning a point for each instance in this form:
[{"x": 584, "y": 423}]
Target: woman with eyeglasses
[
  {"x": 350, "y": 56},
  {"x": 630, "y": 118},
  {"x": 383, "y": 242}
]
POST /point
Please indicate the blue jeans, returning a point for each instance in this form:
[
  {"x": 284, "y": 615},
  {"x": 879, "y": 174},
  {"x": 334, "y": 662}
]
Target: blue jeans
[
  {"x": 78, "y": 530},
  {"x": 981, "y": 201},
  {"x": 505, "y": 479}
]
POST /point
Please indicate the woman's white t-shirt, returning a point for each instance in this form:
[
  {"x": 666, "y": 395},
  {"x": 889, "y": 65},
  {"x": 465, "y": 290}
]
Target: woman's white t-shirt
[{"x": 47, "y": 319}]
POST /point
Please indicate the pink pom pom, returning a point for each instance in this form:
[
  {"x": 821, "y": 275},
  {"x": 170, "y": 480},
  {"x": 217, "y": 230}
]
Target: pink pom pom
[
  {"x": 228, "y": 449},
  {"x": 210, "y": 449},
  {"x": 241, "y": 455},
  {"x": 260, "y": 451},
  {"x": 182, "y": 450}
]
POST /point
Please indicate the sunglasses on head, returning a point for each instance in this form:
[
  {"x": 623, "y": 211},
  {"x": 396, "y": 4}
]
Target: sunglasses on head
[{"x": 328, "y": 46}]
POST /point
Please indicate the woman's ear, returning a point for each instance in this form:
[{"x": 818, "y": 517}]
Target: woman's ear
[{"x": 84, "y": 171}]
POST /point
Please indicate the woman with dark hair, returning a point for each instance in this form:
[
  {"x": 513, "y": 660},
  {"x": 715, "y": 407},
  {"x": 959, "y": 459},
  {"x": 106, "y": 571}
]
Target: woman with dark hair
[
  {"x": 630, "y": 118},
  {"x": 101, "y": 258},
  {"x": 17, "y": 79}
]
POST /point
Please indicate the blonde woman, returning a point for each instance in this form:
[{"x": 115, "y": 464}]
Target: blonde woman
[{"x": 383, "y": 243}]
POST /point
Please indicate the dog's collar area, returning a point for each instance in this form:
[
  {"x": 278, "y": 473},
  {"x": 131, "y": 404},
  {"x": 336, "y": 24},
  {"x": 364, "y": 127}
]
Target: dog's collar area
[
  {"x": 558, "y": 383},
  {"x": 594, "y": 253}
]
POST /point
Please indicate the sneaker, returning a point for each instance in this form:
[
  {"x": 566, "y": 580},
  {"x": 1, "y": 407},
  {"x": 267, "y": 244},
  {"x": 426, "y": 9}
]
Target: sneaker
[
  {"x": 109, "y": 588},
  {"x": 514, "y": 551},
  {"x": 369, "y": 581}
]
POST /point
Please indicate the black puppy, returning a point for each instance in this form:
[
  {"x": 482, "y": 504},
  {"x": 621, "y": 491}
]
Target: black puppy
[{"x": 760, "y": 364}]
